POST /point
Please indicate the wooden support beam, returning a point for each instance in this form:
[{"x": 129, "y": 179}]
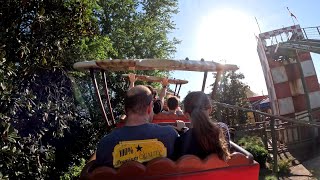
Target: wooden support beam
[
  {"x": 94, "y": 80},
  {"x": 106, "y": 91}
]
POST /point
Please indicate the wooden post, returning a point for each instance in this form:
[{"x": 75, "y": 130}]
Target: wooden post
[
  {"x": 175, "y": 90},
  {"x": 299, "y": 133},
  {"x": 204, "y": 80},
  {"x": 265, "y": 139},
  {"x": 216, "y": 83},
  {"x": 179, "y": 90},
  {"x": 274, "y": 145}
]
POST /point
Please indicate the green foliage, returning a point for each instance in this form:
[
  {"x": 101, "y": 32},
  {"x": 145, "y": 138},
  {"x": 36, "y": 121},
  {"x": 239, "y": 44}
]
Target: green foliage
[
  {"x": 255, "y": 146},
  {"x": 139, "y": 29},
  {"x": 136, "y": 29},
  {"x": 94, "y": 48},
  {"x": 40, "y": 121},
  {"x": 232, "y": 91},
  {"x": 18, "y": 154},
  {"x": 74, "y": 171},
  {"x": 270, "y": 178},
  {"x": 36, "y": 95},
  {"x": 49, "y": 116},
  {"x": 251, "y": 140},
  {"x": 283, "y": 166}
]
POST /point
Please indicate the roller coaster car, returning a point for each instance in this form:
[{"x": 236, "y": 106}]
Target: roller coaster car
[
  {"x": 240, "y": 166},
  {"x": 186, "y": 167}
]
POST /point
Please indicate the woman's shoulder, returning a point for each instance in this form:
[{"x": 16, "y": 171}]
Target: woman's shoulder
[{"x": 187, "y": 134}]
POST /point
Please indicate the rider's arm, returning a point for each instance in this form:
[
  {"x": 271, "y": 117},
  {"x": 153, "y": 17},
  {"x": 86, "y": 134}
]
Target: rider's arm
[
  {"x": 132, "y": 79},
  {"x": 163, "y": 92}
]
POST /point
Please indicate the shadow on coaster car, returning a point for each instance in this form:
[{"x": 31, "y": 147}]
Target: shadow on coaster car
[{"x": 240, "y": 166}]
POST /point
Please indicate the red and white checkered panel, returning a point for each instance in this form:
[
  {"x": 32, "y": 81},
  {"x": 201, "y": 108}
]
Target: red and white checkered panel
[
  {"x": 308, "y": 68},
  {"x": 279, "y": 75},
  {"x": 283, "y": 79},
  {"x": 285, "y": 105},
  {"x": 314, "y": 99},
  {"x": 288, "y": 85}
]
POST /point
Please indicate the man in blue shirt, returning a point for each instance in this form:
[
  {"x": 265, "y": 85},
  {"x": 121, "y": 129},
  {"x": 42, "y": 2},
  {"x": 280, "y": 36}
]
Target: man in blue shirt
[{"x": 139, "y": 109}]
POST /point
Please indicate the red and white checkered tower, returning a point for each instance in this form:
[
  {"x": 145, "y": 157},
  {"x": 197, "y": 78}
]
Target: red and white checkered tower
[{"x": 282, "y": 74}]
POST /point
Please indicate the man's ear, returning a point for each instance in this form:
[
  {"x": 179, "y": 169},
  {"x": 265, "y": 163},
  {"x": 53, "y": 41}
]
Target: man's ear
[{"x": 150, "y": 108}]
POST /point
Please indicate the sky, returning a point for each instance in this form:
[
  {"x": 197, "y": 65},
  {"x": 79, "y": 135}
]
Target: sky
[{"x": 224, "y": 31}]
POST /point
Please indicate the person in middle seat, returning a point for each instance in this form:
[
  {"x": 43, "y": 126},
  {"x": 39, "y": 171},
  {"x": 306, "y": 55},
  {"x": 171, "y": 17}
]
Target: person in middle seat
[
  {"x": 173, "y": 106},
  {"x": 204, "y": 137},
  {"x": 158, "y": 102}
]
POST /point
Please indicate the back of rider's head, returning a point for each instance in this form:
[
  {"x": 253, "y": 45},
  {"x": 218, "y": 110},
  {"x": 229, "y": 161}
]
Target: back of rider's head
[
  {"x": 173, "y": 103},
  {"x": 137, "y": 100}
]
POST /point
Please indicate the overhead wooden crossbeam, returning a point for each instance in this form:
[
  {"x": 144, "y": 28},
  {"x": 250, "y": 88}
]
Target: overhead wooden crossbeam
[{"x": 155, "y": 64}]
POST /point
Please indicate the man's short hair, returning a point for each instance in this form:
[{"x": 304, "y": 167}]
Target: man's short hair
[
  {"x": 173, "y": 103},
  {"x": 137, "y": 99}
]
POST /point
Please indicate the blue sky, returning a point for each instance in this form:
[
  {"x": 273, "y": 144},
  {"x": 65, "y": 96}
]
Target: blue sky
[{"x": 222, "y": 31}]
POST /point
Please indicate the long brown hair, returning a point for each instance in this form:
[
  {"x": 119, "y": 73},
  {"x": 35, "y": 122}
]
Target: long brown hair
[{"x": 209, "y": 135}]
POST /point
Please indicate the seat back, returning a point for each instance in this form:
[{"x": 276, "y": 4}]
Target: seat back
[
  {"x": 161, "y": 117},
  {"x": 160, "y": 166},
  {"x": 244, "y": 172},
  {"x": 238, "y": 159},
  {"x": 185, "y": 168}
]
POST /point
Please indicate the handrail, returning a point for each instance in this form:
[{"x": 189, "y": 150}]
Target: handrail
[
  {"x": 312, "y": 32},
  {"x": 243, "y": 151},
  {"x": 313, "y": 124},
  {"x": 311, "y": 27}
]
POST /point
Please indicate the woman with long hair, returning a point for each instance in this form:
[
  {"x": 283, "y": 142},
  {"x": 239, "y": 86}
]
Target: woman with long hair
[{"x": 205, "y": 136}]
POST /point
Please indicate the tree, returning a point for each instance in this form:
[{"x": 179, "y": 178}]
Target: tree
[
  {"x": 49, "y": 118},
  {"x": 232, "y": 91},
  {"x": 137, "y": 29},
  {"x": 37, "y": 108}
]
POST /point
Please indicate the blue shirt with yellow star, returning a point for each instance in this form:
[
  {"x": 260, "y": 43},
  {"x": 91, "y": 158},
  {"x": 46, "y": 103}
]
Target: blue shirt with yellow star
[{"x": 167, "y": 135}]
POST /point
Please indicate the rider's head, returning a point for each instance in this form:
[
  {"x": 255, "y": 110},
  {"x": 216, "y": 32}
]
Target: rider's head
[
  {"x": 173, "y": 103},
  {"x": 196, "y": 101},
  {"x": 154, "y": 92},
  {"x": 197, "y": 107},
  {"x": 138, "y": 101}
]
